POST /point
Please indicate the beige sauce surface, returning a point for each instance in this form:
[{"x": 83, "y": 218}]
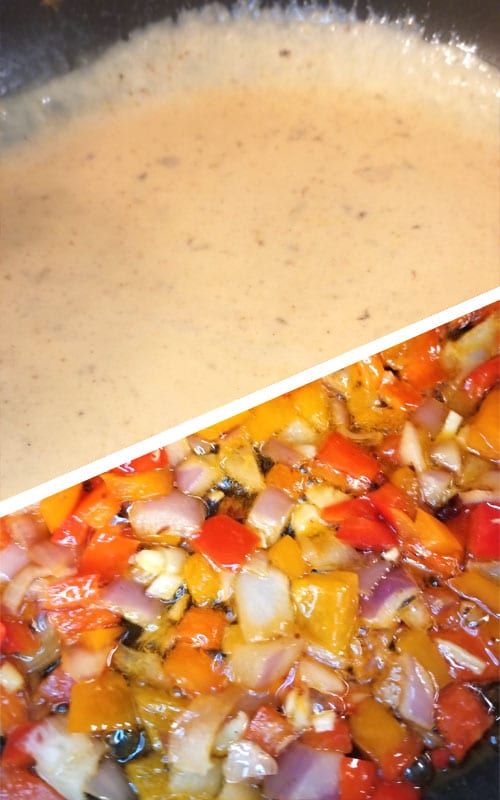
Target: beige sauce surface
[{"x": 248, "y": 199}]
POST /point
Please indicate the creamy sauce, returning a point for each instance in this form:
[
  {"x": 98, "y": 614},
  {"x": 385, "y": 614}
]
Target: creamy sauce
[{"x": 217, "y": 205}]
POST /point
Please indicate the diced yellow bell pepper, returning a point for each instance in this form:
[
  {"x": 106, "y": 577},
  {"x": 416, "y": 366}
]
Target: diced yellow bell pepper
[
  {"x": 100, "y": 638},
  {"x": 156, "y": 708},
  {"x": 56, "y": 508},
  {"x": 101, "y": 704},
  {"x": 148, "y": 775},
  {"x": 312, "y": 402},
  {"x": 214, "y": 432},
  {"x": 287, "y": 556},
  {"x": 378, "y": 733},
  {"x": 326, "y": 607},
  {"x": 482, "y": 432},
  {"x": 270, "y": 417},
  {"x": 419, "y": 644},
  {"x": 202, "y": 580},
  {"x": 139, "y": 485},
  {"x": 475, "y": 586}
]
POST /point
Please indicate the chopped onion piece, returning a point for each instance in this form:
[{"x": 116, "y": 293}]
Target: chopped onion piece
[
  {"x": 261, "y": 664},
  {"x": 177, "y": 451},
  {"x": 55, "y": 557},
  {"x": 446, "y": 453},
  {"x": 370, "y": 576},
  {"x": 25, "y": 528},
  {"x": 109, "y": 783},
  {"x": 11, "y": 679},
  {"x": 380, "y": 609},
  {"x": 305, "y": 774},
  {"x": 246, "y": 760},
  {"x": 269, "y": 514},
  {"x": 430, "y": 415},
  {"x": 418, "y": 693},
  {"x": 241, "y": 465},
  {"x": 436, "y": 486},
  {"x": 193, "y": 785},
  {"x": 176, "y": 512},
  {"x": 129, "y": 599},
  {"x": 474, "y": 496},
  {"x": 231, "y": 732},
  {"x": 282, "y": 452},
  {"x": 451, "y": 425},
  {"x": 460, "y": 657},
  {"x": 320, "y": 677},
  {"x": 410, "y": 448},
  {"x": 194, "y": 730},
  {"x": 82, "y": 664},
  {"x": 263, "y": 604},
  {"x": 66, "y": 761},
  {"x": 197, "y": 474},
  {"x": 12, "y": 560},
  {"x": 16, "y": 590}
]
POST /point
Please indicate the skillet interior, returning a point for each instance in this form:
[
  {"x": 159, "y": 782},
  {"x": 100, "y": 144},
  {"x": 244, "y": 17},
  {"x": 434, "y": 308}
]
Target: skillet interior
[{"x": 43, "y": 38}]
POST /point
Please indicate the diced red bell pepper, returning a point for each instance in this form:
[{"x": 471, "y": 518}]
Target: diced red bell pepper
[
  {"x": 440, "y": 758},
  {"x": 396, "y": 791},
  {"x": 18, "y": 637},
  {"x": 74, "y": 592},
  {"x": 357, "y": 779},
  {"x": 338, "y": 739},
  {"x": 343, "y": 455},
  {"x": 483, "y": 540},
  {"x": 15, "y": 753},
  {"x": 71, "y": 622},
  {"x": 225, "y": 541},
  {"x": 270, "y": 730},
  {"x": 98, "y": 506},
  {"x": 21, "y": 784},
  {"x": 418, "y": 360},
  {"x": 367, "y": 534},
  {"x": 73, "y": 532},
  {"x": 462, "y": 718},
  {"x": 108, "y": 552},
  {"x": 154, "y": 460},
  {"x": 349, "y": 509},
  {"x": 202, "y": 627},
  {"x": 482, "y": 378},
  {"x": 3, "y": 633},
  {"x": 388, "y": 497},
  {"x": 472, "y": 642}
]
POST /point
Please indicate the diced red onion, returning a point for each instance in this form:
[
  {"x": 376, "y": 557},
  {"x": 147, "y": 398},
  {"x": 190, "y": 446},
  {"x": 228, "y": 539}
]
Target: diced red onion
[
  {"x": 436, "y": 486},
  {"x": 196, "y": 475},
  {"x": 269, "y": 514},
  {"x": 418, "y": 693},
  {"x": 194, "y": 730},
  {"x": 178, "y": 451},
  {"x": 263, "y": 604},
  {"x": 177, "y": 512},
  {"x": 410, "y": 448},
  {"x": 128, "y": 598},
  {"x": 25, "y": 529},
  {"x": 370, "y": 576},
  {"x": 12, "y": 560},
  {"x": 380, "y": 609},
  {"x": 261, "y": 664},
  {"x": 82, "y": 664},
  {"x": 246, "y": 760},
  {"x": 430, "y": 415},
  {"x": 282, "y": 452},
  {"x": 199, "y": 445},
  {"x": 53, "y": 556},
  {"x": 305, "y": 774},
  {"x": 320, "y": 677},
  {"x": 16, "y": 589},
  {"x": 109, "y": 783}
]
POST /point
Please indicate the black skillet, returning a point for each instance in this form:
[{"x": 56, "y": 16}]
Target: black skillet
[{"x": 43, "y": 38}]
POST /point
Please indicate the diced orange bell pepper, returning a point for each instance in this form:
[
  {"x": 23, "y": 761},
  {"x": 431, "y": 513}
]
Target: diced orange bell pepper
[
  {"x": 399, "y": 394},
  {"x": 482, "y": 431},
  {"x": 100, "y": 638},
  {"x": 217, "y": 430},
  {"x": 202, "y": 627},
  {"x": 202, "y": 580},
  {"x": 430, "y": 541},
  {"x": 378, "y": 733},
  {"x": 271, "y": 417},
  {"x": 290, "y": 479},
  {"x": 13, "y": 710},
  {"x": 18, "y": 638},
  {"x": 287, "y": 556},
  {"x": 312, "y": 403},
  {"x": 156, "y": 459},
  {"x": 417, "y": 643},
  {"x": 387, "y": 497},
  {"x": 71, "y": 623},
  {"x": 101, "y": 704},
  {"x": 418, "y": 360},
  {"x": 270, "y": 730},
  {"x": 56, "y": 508},
  {"x": 108, "y": 552},
  {"x": 326, "y": 607},
  {"x": 98, "y": 506},
  {"x": 345, "y": 456},
  {"x": 193, "y": 671},
  {"x": 141, "y": 485},
  {"x": 478, "y": 587}
]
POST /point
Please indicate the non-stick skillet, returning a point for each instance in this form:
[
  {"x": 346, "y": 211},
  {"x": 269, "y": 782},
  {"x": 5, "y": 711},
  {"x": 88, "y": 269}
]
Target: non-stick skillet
[{"x": 43, "y": 38}]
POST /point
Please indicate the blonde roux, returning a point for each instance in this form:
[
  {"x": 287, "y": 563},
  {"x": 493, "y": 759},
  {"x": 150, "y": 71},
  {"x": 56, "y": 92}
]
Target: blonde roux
[{"x": 219, "y": 204}]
